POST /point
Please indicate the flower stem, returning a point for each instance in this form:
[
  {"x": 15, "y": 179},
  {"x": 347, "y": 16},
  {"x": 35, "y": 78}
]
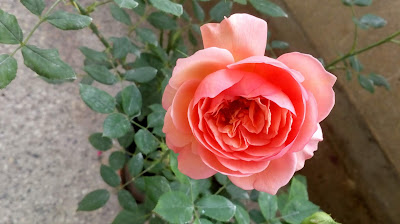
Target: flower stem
[{"x": 356, "y": 52}]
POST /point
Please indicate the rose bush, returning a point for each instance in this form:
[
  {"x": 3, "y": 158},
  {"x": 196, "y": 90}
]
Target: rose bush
[{"x": 232, "y": 110}]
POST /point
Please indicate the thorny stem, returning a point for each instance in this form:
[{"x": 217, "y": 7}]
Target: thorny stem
[
  {"x": 378, "y": 43},
  {"x": 42, "y": 19}
]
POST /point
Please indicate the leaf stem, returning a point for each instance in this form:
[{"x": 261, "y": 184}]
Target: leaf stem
[
  {"x": 41, "y": 20},
  {"x": 92, "y": 26},
  {"x": 221, "y": 188},
  {"x": 163, "y": 156},
  {"x": 356, "y": 52}
]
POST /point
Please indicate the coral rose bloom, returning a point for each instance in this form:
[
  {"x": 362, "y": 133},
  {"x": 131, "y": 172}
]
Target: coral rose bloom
[{"x": 232, "y": 110}]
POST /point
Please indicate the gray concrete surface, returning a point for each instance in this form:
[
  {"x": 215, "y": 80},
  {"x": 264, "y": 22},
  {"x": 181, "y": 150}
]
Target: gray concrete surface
[{"x": 46, "y": 162}]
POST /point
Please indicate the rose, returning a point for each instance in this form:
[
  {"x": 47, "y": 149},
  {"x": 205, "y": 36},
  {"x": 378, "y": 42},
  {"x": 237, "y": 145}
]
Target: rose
[{"x": 232, "y": 110}]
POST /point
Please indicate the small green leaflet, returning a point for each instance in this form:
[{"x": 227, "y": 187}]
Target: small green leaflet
[
  {"x": 109, "y": 176},
  {"x": 130, "y": 217},
  {"x": 135, "y": 165},
  {"x": 34, "y": 6},
  {"x": 241, "y": 215},
  {"x": 10, "y": 32},
  {"x": 101, "y": 74},
  {"x": 379, "y": 80},
  {"x": 8, "y": 70},
  {"x": 47, "y": 63},
  {"x": 268, "y": 205},
  {"x": 198, "y": 11},
  {"x": 268, "y": 8},
  {"x": 373, "y": 21},
  {"x": 221, "y": 9},
  {"x": 116, "y": 125},
  {"x": 156, "y": 186},
  {"x": 175, "y": 207},
  {"x": 94, "y": 200},
  {"x": 145, "y": 141},
  {"x": 126, "y": 200},
  {"x": 162, "y": 21},
  {"x": 141, "y": 75},
  {"x": 98, "y": 100},
  {"x": 117, "y": 160},
  {"x": 168, "y": 7},
  {"x": 216, "y": 207},
  {"x": 131, "y": 101},
  {"x": 366, "y": 83},
  {"x": 129, "y": 4},
  {"x": 68, "y": 21},
  {"x": 120, "y": 15},
  {"x": 99, "y": 142}
]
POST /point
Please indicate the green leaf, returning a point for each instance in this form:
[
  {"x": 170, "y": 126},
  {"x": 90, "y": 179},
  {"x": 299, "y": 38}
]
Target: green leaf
[
  {"x": 373, "y": 21},
  {"x": 101, "y": 74},
  {"x": 96, "y": 99},
  {"x": 68, "y": 21},
  {"x": 156, "y": 186},
  {"x": 126, "y": 200},
  {"x": 198, "y": 11},
  {"x": 297, "y": 210},
  {"x": 129, "y": 4},
  {"x": 135, "y": 165},
  {"x": 348, "y": 2},
  {"x": 216, "y": 207},
  {"x": 241, "y": 215},
  {"x": 120, "y": 15},
  {"x": 34, "y": 6},
  {"x": 10, "y": 32},
  {"x": 268, "y": 205},
  {"x": 298, "y": 190},
  {"x": 268, "y": 8},
  {"x": 221, "y": 9},
  {"x": 126, "y": 140},
  {"x": 168, "y": 7},
  {"x": 379, "y": 80},
  {"x": 8, "y": 70},
  {"x": 162, "y": 21},
  {"x": 116, "y": 125},
  {"x": 362, "y": 2},
  {"x": 109, "y": 176},
  {"x": 94, "y": 200},
  {"x": 117, "y": 160},
  {"x": 141, "y": 8},
  {"x": 283, "y": 199},
  {"x": 277, "y": 44},
  {"x": 130, "y": 217},
  {"x": 131, "y": 100},
  {"x": 145, "y": 141},
  {"x": 257, "y": 216},
  {"x": 356, "y": 64},
  {"x": 174, "y": 167},
  {"x": 99, "y": 142},
  {"x": 359, "y": 24},
  {"x": 192, "y": 38},
  {"x": 254, "y": 195},
  {"x": 156, "y": 119},
  {"x": 236, "y": 192},
  {"x": 222, "y": 179},
  {"x": 175, "y": 207},
  {"x": 47, "y": 63},
  {"x": 366, "y": 83},
  {"x": 122, "y": 46},
  {"x": 96, "y": 56},
  {"x": 146, "y": 36},
  {"x": 243, "y": 2},
  {"x": 141, "y": 75}
]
